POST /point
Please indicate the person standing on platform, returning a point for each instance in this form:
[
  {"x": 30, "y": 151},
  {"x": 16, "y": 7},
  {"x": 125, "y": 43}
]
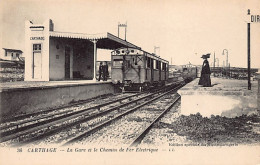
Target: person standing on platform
[
  {"x": 105, "y": 71},
  {"x": 100, "y": 71},
  {"x": 205, "y": 72}
]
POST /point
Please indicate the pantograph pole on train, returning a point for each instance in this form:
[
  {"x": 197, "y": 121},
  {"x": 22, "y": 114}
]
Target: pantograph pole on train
[
  {"x": 156, "y": 47},
  {"x": 122, "y": 25}
]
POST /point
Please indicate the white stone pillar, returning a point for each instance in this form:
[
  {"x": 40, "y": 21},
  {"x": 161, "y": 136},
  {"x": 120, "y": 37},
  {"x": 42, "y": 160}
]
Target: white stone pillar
[{"x": 95, "y": 59}]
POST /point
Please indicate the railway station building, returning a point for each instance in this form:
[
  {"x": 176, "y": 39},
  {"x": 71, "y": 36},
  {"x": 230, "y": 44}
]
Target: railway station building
[{"x": 53, "y": 55}]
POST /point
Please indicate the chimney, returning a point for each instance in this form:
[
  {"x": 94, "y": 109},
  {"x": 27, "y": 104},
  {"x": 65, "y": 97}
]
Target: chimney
[{"x": 51, "y": 26}]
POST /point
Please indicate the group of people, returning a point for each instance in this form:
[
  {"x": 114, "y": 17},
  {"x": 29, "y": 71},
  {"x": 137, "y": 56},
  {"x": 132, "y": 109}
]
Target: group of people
[{"x": 103, "y": 71}]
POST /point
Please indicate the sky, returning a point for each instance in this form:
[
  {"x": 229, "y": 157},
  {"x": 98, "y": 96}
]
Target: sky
[{"x": 183, "y": 29}]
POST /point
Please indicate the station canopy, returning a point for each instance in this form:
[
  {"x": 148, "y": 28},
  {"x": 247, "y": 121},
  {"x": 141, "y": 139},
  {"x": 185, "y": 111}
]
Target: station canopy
[{"x": 104, "y": 40}]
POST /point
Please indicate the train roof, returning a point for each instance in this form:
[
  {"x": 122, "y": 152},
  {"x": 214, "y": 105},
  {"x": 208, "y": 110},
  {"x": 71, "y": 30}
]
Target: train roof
[{"x": 134, "y": 51}]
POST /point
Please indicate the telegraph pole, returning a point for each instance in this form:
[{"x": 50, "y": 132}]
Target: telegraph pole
[
  {"x": 253, "y": 19},
  {"x": 214, "y": 65}
]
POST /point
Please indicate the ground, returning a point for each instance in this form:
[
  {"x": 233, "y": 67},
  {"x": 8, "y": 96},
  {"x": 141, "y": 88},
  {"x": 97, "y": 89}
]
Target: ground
[
  {"x": 11, "y": 71},
  {"x": 216, "y": 129}
]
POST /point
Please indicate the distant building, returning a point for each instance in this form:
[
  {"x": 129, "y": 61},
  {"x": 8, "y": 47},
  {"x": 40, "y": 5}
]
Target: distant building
[{"x": 11, "y": 54}]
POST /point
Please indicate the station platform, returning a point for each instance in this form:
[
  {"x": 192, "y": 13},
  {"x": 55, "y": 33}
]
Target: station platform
[
  {"x": 28, "y": 96},
  {"x": 28, "y": 85},
  {"x": 226, "y": 97}
]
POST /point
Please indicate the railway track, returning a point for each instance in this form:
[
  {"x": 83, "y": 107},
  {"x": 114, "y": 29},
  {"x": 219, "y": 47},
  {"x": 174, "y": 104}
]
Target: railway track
[
  {"x": 48, "y": 123},
  {"x": 140, "y": 136},
  {"x": 39, "y": 130},
  {"x": 100, "y": 126},
  {"x": 45, "y": 117}
]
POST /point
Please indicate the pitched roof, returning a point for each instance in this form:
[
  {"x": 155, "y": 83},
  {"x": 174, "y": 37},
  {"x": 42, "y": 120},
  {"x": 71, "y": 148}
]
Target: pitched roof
[
  {"x": 104, "y": 40},
  {"x": 13, "y": 50}
]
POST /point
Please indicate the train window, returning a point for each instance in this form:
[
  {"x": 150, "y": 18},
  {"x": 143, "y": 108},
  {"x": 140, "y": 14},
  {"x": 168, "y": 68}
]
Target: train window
[
  {"x": 117, "y": 52},
  {"x": 163, "y": 66},
  {"x": 127, "y": 64},
  {"x": 118, "y": 62},
  {"x": 157, "y": 64},
  {"x": 148, "y": 62},
  {"x": 132, "y": 51},
  {"x": 154, "y": 64},
  {"x": 135, "y": 60}
]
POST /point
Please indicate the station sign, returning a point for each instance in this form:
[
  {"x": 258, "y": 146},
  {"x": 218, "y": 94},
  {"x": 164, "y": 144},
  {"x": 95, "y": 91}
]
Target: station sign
[
  {"x": 253, "y": 18},
  {"x": 36, "y": 38}
]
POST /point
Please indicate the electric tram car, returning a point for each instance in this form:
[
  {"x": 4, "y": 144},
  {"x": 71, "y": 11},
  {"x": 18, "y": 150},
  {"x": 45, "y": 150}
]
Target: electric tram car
[
  {"x": 135, "y": 69},
  {"x": 189, "y": 73}
]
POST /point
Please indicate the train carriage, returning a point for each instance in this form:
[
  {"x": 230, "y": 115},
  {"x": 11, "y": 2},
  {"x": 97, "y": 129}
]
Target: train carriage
[{"x": 137, "y": 69}]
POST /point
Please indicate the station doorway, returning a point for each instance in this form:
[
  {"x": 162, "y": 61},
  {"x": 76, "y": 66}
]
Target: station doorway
[{"x": 37, "y": 61}]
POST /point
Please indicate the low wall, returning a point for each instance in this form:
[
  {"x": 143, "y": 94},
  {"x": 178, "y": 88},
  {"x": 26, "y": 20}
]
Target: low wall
[
  {"x": 229, "y": 98},
  {"x": 26, "y": 100}
]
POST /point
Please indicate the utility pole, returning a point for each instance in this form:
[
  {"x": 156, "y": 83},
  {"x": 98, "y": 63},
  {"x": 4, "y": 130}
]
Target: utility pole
[
  {"x": 226, "y": 68},
  {"x": 223, "y": 53},
  {"x": 217, "y": 62},
  {"x": 214, "y": 65}
]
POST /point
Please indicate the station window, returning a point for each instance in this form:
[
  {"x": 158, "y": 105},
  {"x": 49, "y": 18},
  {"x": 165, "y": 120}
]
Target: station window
[
  {"x": 37, "y": 47},
  {"x": 17, "y": 55},
  {"x": 12, "y": 54}
]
